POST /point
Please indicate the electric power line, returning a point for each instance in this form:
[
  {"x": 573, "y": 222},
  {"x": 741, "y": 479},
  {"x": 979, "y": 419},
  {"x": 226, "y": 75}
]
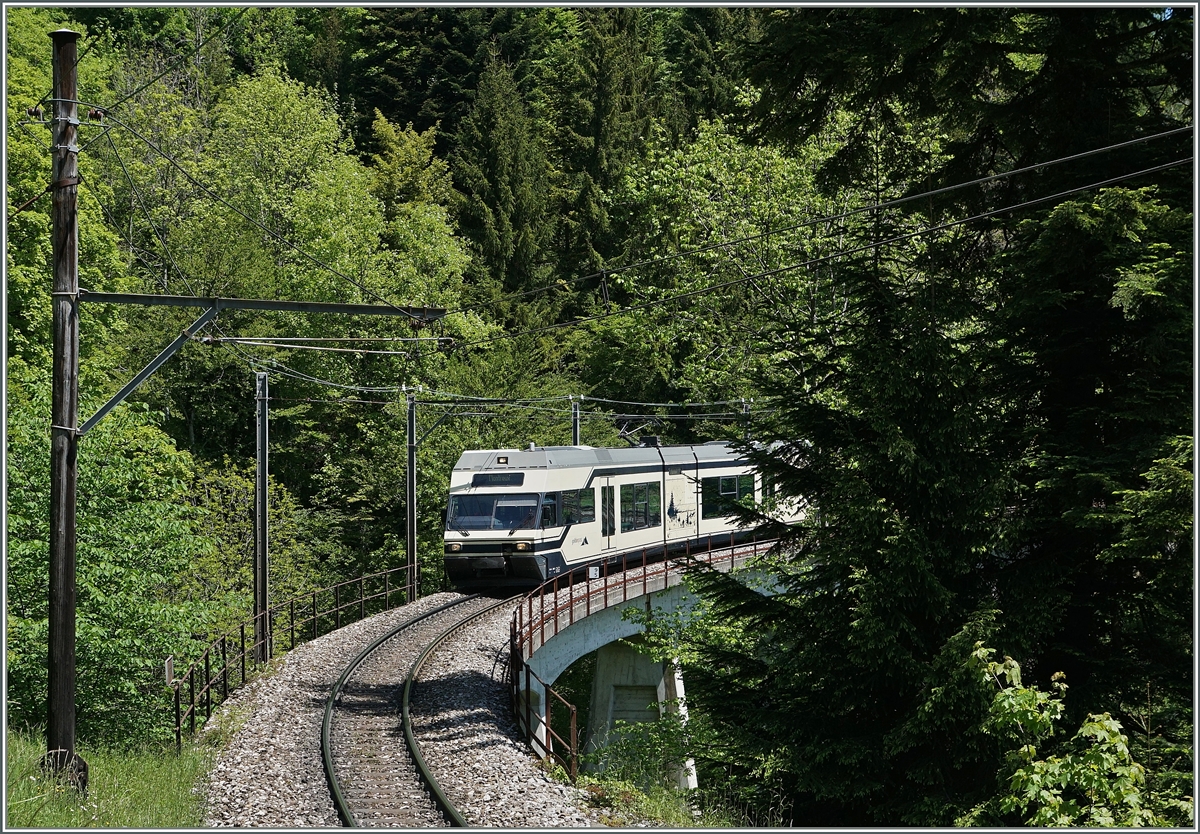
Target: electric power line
[
  {"x": 661, "y": 405},
  {"x": 274, "y": 234},
  {"x": 501, "y": 406},
  {"x": 178, "y": 61},
  {"x": 142, "y": 204},
  {"x": 843, "y": 253},
  {"x": 339, "y": 401},
  {"x": 363, "y": 351},
  {"x": 924, "y": 195},
  {"x": 452, "y": 398},
  {"x": 343, "y": 338}
]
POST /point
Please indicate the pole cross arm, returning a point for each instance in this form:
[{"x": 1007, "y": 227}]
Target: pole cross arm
[
  {"x": 422, "y": 315},
  {"x": 419, "y": 316},
  {"x": 145, "y": 373}
]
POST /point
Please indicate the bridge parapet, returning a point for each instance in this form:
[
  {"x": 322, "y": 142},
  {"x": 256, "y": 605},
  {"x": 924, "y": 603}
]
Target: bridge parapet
[{"x": 566, "y": 601}]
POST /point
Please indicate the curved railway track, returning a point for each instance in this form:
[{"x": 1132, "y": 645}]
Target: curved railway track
[{"x": 376, "y": 773}]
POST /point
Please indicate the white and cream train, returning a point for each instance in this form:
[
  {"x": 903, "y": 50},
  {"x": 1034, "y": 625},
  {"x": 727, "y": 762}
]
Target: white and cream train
[{"x": 519, "y": 517}]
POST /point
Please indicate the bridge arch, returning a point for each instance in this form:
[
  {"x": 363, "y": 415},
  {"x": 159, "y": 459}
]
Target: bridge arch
[{"x": 561, "y": 622}]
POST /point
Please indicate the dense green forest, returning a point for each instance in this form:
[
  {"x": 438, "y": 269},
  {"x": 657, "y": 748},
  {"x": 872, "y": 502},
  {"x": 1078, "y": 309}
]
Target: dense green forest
[{"x": 938, "y": 261}]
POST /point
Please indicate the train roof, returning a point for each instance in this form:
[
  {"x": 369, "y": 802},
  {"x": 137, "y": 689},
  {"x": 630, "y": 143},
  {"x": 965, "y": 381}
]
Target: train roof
[{"x": 570, "y": 457}]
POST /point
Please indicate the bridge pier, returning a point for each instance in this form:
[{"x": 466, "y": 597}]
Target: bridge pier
[
  {"x": 531, "y": 709},
  {"x": 629, "y": 686}
]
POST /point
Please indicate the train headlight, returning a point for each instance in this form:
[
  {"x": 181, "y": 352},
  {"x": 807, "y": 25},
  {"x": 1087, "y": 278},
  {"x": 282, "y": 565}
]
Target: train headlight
[
  {"x": 455, "y": 547},
  {"x": 522, "y": 545}
]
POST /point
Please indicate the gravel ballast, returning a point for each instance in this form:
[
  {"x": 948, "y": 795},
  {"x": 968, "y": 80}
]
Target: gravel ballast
[{"x": 270, "y": 772}]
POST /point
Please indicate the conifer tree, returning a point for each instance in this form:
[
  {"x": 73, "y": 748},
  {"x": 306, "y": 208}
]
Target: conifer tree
[
  {"x": 500, "y": 167},
  {"x": 983, "y": 435}
]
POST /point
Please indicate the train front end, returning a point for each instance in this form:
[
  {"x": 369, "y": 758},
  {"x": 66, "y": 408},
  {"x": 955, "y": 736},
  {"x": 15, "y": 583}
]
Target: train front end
[{"x": 493, "y": 535}]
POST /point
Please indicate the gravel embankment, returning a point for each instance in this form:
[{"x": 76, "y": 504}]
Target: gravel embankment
[{"x": 270, "y": 773}]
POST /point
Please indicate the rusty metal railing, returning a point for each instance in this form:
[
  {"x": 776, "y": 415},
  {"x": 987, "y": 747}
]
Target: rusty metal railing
[
  {"x": 301, "y": 618},
  {"x": 566, "y": 599}
]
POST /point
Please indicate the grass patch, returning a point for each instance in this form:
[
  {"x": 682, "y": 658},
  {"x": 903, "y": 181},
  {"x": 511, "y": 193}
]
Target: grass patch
[
  {"x": 623, "y": 803},
  {"x": 147, "y": 788}
]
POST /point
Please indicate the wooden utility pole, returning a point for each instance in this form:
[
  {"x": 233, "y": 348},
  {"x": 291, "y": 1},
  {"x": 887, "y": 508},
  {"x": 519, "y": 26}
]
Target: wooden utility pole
[
  {"x": 64, "y": 442},
  {"x": 262, "y": 625},
  {"x": 410, "y": 499},
  {"x": 61, "y": 757}
]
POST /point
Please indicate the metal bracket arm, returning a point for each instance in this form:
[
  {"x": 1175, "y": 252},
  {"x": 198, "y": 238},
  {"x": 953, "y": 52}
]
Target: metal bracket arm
[
  {"x": 154, "y": 365},
  {"x": 440, "y": 420}
]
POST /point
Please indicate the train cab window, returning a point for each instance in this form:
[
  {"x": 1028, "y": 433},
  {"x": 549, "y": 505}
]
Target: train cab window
[
  {"x": 579, "y": 506},
  {"x": 514, "y": 512},
  {"x": 641, "y": 506},
  {"x": 719, "y": 495},
  {"x": 494, "y": 511}
]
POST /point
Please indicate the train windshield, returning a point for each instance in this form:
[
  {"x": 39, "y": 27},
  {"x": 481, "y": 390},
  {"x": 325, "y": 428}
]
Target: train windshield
[{"x": 497, "y": 511}]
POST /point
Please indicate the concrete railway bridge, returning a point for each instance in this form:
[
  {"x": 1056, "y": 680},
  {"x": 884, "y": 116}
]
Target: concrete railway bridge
[{"x": 560, "y": 622}]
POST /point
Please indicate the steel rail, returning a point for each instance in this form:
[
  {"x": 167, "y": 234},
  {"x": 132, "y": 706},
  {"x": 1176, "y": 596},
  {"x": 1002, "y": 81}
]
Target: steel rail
[
  {"x": 439, "y": 796},
  {"x": 335, "y": 788}
]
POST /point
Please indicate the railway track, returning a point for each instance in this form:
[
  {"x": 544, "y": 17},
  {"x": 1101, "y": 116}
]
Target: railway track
[{"x": 376, "y": 773}]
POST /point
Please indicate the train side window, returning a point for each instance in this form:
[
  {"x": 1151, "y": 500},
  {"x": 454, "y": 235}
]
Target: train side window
[
  {"x": 719, "y": 495},
  {"x": 641, "y": 506},
  {"x": 608, "y": 519},
  {"x": 579, "y": 506},
  {"x": 550, "y": 510}
]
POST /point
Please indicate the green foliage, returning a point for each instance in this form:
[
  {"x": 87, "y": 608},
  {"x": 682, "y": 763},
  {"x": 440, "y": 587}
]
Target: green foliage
[
  {"x": 601, "y": 94},
  {"x": 702, "y": 75},
  {"x": 137, "y": 538},
  {"x": 28, "y": 268},
  {"x": 887, "y": 433},
  {"x": 989, "y": 76},
  {"x": 638, "y": 764},
  {"x": 424, "y": 64},
  {"x": 1095, "y": 783},
  {"x": 222, "y": 577},
  {"x": 988, "y": 426},
  {"x": 743, "y": 211},
  {"x": 645, "y": 753},
  {"x": 968, "y": 418},
  {"x": 1102, "y": 391},
  {"x": 406, "y": 170}
]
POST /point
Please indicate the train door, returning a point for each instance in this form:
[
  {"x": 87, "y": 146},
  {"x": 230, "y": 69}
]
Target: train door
[{"x": 608, "y": 513}]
